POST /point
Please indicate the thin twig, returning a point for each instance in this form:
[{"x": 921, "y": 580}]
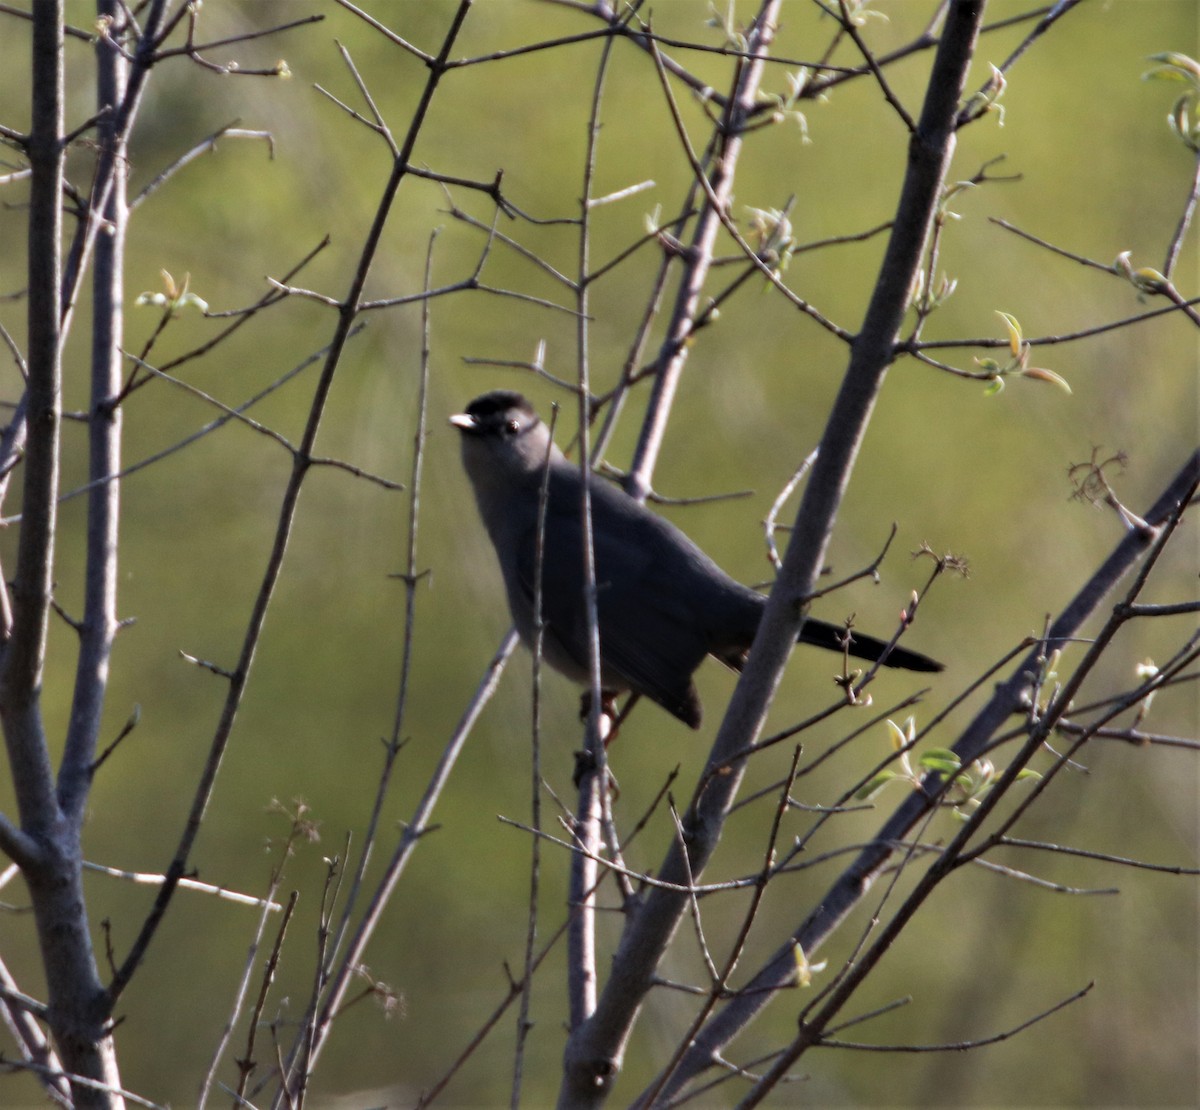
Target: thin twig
[{"x": 962, "y": 1046}]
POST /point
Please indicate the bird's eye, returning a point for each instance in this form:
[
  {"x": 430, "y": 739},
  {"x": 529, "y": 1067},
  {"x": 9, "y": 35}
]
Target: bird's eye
[{"x": 511, "y": 427}]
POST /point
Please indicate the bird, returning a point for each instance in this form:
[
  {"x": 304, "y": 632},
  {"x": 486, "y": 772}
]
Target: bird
[{"x": 662, "y": 604}]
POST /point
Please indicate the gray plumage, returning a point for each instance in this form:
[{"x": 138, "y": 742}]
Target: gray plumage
[{"x": 662, "y": 604}]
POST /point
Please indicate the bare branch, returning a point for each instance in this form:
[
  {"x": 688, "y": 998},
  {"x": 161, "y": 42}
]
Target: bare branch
[
  {"x": 962, "y": 1046},
  {"x": 1185, "y": 222},
  {"x": 205, "y": 146},
  {"x": 848, "y": 25},
  {"x": 1104, "y": 857}
]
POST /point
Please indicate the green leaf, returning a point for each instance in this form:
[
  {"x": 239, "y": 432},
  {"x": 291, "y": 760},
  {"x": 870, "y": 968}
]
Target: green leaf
[
  {"x": 804, "y": 969},
  {"x": 898, "y": 736},
  {"x": 941, "y": 760},
  {"x": 1174, "y": 66},
  {"x": 1014, "y": 332},
  {"x": 1040, "y": 373},
  {"x": 873, "y": 786}
]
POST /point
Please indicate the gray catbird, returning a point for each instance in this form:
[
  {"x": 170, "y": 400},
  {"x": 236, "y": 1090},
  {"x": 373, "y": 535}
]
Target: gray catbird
[{"x": 662, "y": 604}]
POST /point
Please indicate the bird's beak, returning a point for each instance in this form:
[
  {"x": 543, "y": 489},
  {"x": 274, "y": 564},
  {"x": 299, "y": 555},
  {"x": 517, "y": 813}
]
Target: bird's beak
[{"x": 464, "y": 422}]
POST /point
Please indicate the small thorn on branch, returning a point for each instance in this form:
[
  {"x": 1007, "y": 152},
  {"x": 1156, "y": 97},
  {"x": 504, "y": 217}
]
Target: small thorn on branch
[
  {"x": 67, "y": 618},
  {"x": 412, "y": 579},
  {"x": 208, "y": 666},
  {"x": 126, "y": 729}
]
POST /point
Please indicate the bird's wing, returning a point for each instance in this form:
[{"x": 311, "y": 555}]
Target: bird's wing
[{"x": 651, "y": 634}]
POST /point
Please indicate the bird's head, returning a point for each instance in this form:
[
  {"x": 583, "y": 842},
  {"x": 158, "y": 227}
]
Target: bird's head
[{"x": 503, "y": 440}]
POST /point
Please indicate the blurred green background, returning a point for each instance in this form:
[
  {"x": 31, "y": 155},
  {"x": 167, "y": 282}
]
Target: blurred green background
[{"x": 985, "y": 477}]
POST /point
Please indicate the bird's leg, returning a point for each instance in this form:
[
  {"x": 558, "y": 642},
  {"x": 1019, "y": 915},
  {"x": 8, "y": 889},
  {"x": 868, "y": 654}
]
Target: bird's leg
[
  {"x": 618, "y": 719},
  {"x": 585, "y": 761},
  {"x": 585, "y": 764},
  {"x": 608, "y": 708}
]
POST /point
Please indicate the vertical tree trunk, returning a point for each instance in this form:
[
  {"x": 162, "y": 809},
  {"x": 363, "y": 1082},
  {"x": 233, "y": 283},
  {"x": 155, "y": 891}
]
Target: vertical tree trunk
[{"x": 78, "y": 1002}]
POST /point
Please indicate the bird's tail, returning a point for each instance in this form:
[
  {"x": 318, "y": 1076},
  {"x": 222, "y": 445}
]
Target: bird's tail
[{"x": 832, "y": 636}]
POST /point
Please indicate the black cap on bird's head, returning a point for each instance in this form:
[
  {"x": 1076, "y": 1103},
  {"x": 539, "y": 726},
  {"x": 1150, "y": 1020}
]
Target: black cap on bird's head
[
  {"x": 501, "y": 430},
  {"x": 494, "y": 411}
]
